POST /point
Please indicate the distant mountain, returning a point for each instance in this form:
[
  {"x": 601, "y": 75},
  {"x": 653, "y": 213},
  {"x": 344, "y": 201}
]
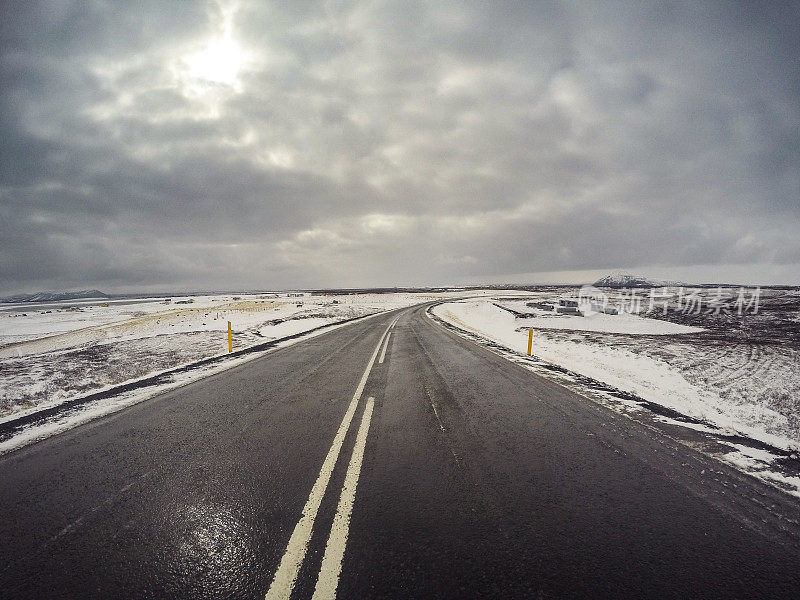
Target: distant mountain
[
  {"x": 621, "y": 279},
  {"x": 55, "y": 296}
]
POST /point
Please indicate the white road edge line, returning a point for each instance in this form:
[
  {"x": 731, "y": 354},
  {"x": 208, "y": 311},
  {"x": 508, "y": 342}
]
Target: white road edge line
[
  {"x": 328, "y": 579},
  {"x": 286, "y": 575},
  {"x": 385, "y": 346}
]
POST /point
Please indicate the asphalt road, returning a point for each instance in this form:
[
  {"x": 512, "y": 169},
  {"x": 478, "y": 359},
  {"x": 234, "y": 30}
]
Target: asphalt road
[{"x": 444, "y": 471}]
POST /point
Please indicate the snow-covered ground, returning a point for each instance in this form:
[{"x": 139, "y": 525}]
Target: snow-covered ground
[
  {"x": 52, "y": 353},
  {"x": 739, "y": 374},
  {"x": 739, "y": 383},
  {"x": 600, "y": 322},
  {"x": 714, "y": 385},
  {"x": 28, "y": 329}
]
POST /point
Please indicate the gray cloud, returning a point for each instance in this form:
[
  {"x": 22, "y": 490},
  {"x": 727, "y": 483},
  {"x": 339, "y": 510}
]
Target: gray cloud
[{"x": 251, "y": 144}]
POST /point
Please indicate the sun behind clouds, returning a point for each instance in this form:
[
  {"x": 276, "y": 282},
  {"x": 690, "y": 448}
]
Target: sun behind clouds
[
  {"x": 212, "y": 66},
  {"x": 218, "y": 63}
]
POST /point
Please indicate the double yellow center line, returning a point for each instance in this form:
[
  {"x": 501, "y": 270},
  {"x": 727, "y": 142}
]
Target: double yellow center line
[{"x": 328, "y": 579}]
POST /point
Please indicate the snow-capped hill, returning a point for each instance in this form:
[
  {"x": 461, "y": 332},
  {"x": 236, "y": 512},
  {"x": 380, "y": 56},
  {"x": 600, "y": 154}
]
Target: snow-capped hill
[
  {"x": 56, "y": 296},
  {"x": 621, "y": 279}
]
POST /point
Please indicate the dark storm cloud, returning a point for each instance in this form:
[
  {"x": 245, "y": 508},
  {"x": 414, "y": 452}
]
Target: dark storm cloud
[{"x": 306, "y": 144}]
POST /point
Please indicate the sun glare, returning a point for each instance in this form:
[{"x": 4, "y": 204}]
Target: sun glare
[
  {"x": 214, "y": 65},
  {"x": 220, "y": 62}
]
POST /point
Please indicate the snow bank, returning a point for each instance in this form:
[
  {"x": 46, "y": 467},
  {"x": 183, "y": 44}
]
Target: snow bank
[{"x": 645, "y": 376}]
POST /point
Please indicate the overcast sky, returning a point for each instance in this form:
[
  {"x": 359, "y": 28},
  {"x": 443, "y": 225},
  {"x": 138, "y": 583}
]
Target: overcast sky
[{"x": 222, "y": 145}]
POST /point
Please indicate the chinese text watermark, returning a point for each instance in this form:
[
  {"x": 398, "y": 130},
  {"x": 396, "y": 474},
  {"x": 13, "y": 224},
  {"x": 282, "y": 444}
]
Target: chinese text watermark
[{"x": 690, "y": 301}]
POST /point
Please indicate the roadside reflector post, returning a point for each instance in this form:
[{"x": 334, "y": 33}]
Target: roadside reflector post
[
  {"x": 230, "y": 339},
  {"x": 530, "y": 340}
]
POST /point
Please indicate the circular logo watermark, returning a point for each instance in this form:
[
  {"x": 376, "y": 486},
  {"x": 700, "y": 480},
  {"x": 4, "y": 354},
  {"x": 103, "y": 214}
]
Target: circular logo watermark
[{"x": 592, "y": 301}]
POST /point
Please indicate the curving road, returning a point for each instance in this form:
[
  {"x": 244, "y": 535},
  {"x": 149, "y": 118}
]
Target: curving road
[{"x": 380, "y": 462}]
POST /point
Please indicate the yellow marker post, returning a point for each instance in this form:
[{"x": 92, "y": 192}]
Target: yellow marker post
[
  {"x": 230, "y": 338},
  {"x": 530, "y": 340}
]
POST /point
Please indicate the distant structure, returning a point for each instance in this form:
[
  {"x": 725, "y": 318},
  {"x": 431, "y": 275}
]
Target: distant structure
[
  {"x": 609, "y": 310},
  {"x": 540, "y": 305},
  {"x": 568, "y": 306},
  {"x": 594, "y": 300}
]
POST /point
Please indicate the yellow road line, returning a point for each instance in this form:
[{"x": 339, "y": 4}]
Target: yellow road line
[
  {"x": 328, "y": 579},
  {"x": 286, "y": 575}
]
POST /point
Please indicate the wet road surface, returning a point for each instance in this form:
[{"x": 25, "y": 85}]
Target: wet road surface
[{"x": 389, "y": 458}]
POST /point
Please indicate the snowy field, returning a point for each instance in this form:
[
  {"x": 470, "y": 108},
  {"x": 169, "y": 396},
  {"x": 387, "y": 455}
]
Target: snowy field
[
  {"x": 738, "y": 374},
  {"x": 52, "y": 353}
]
